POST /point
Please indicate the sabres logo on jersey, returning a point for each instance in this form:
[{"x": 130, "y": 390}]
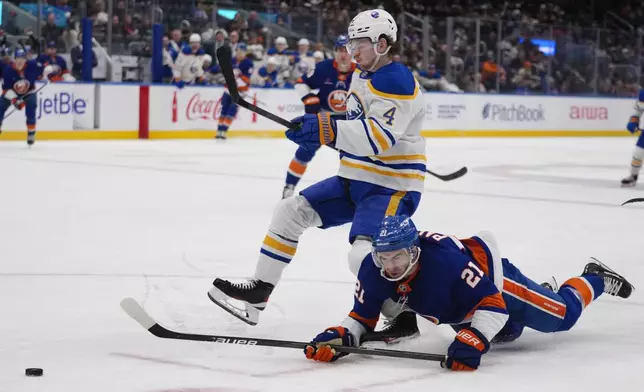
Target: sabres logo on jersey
[
  {"x": 337, "y": 101},
  {"x": 21, "y": 86},
  {"x": 354, "y": 107}
]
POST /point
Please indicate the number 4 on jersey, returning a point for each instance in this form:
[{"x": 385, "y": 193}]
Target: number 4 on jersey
[{"x": 389, "y": 115}]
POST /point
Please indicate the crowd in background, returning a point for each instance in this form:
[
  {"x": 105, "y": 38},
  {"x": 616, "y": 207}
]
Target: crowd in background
[{"x": 508, "y": 60}]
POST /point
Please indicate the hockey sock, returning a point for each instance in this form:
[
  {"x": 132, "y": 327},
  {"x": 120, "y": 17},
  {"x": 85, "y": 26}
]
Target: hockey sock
[
  {"x": 295, "y": 172},
  {"x": 586, "y": 288},
  {"x": 224, "y": 123},
  {"x": 292, "y": 216},
  {"x": 636, "y": 163}
]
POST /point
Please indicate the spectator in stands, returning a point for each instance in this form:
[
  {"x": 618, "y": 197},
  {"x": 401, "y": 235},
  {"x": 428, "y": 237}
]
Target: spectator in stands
[
  {"x": 168, "y": 60},
  {"x": 51, "y": 32},
  {"x": 129, "y": 31},
  {"x": 255, "y": 48},
  {"x": 237, "y": 23},
  {"x": 77, "y": 59},
  {"x": 3, "y": 39},
  {"x": 10, "y": 25},
  {"x": 234, "y": 40},
  {"x": 254, "y": 24}
]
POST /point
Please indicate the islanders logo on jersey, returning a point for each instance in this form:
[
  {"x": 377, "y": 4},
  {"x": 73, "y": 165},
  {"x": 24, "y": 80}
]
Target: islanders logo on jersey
[
  {"x": 337, "y": 101},
  {"x": 21, "y": 86},
  {"x": 354, "y": 107}
]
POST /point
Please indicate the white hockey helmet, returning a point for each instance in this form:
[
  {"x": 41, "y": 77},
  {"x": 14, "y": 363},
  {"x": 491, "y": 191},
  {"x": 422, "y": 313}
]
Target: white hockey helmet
[
  {"x": 207, "y": 58},
  {"x": 303, "y": 41},
  {"x": 273, "y": 61},
  {"x": 373, "y": 24},
  {"x": 281, "y": 41},
  {"x": 195, "y": 39}
]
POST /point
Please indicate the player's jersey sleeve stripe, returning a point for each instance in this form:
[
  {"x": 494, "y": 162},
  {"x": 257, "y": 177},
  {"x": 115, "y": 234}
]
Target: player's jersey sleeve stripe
[
  {"x": 384, "y": 130},
  {"x": 366, "y": 131},
  {"x": 492, "y": 302},
  {"x": 370, "y": 323},
  {"x": 383, "y": 172},
  {"x": 394, "y": 203},
  {"x": 379, "y": 135}
]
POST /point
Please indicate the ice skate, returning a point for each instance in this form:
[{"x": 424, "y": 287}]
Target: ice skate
[
  {"x": 403, "y": 327},
  {"x": 31, "y": 138},
  {"x": 614, "y": 284},
  {"x": 221, "y": 135},
  {"x": 629, "y": 181},
  {"x": 253, "y": 294}
]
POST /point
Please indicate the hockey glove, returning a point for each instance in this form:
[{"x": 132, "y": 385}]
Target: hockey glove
[
  {"x": 319, "y": 349},
  {"x": 466, "y": 350},
  {"x": 179, "y": 83},
  {"x": 19, "y": 103},
  {"x": 311, "y": 103},
  {"x": 313, "y": 131},
  {"x": 633, "y": 124}
]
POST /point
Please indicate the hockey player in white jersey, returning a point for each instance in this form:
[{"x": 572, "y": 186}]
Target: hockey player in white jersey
[
  {"x": 382, "y": 169},
  {"x": 638, "y": 154},
  {"x": 188, "y": 68}
]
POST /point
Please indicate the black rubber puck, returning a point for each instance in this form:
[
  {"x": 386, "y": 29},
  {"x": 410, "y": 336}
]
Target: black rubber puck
[{"x": 33, "y": 372}]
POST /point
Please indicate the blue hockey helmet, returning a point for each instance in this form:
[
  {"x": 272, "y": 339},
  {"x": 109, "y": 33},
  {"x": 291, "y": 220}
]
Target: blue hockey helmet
[
  {"x": 20, "y": 53},
  {"x": 341, "y": 41},
  {"x": 396, "y": 233},
  {"x": 242, "y": 47}
]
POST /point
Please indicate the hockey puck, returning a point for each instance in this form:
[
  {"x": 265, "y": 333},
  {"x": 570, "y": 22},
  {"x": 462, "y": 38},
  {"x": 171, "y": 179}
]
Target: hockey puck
[{"x": 33, "y": 372}]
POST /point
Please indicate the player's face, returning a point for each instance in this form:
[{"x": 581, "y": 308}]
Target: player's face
[
  {"x": 342, "y": 56},
  {"x": 195, "y": 45},
  {"x": 363, "y": 51},
  {"x": 280, "y": 47},
  {"x": 20, "y": 62},
  {"x": 395, "y": 263},
  {"x": 51, "y": 51}
]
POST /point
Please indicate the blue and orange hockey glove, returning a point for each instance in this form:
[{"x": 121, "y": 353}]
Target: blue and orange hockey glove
[
  {"x": 179, "y": 83},
  {"x": 466, "y": 350},
  {"x": 633, "y": 124},
  {"x": 319, "y": 348},
  {"x": 313, "y": 131},
  {"x": 18, "y": 103},
  {"x": 311, "y": 103}
]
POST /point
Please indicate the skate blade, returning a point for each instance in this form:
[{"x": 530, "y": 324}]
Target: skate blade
[
  {"x": 249, "y": 314},
  {"x": 594, "y": 260}
]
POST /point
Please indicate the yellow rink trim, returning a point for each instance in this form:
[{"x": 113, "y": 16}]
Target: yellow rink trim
[
  {"x": 210, "y": 134},
  {"x": 70, "y": 135}
]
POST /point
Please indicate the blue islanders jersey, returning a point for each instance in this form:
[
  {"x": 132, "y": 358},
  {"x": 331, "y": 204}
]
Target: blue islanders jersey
[
  {"x": 270, "y": 79},
  {"x": 57, "y": 62},
  {"x": 332, "y": 83},
  {"x": 21, "y": 81},
  {"x": 455, "y": 279}
]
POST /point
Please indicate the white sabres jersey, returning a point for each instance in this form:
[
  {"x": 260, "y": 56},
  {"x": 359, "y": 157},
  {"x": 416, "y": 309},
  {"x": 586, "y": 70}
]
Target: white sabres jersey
[
  {"x": 188, "y": 66},
  {"x": 380, "y": 141},
  {"x": 639, "y": 104}
]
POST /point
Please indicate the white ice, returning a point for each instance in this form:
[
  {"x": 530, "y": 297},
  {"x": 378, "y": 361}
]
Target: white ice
[{"x": 85, "y": 224}]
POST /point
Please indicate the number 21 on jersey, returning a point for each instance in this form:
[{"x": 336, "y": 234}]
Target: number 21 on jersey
[
  {"x": 470, "y": 277},
  {"x": 359, "y": 294}
]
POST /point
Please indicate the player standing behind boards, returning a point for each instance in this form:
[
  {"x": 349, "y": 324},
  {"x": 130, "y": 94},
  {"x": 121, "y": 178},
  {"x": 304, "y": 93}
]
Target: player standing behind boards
[
  {"x": 188, "y": 67},
  {"x": 464, "y": 283},
  {"x": 332, "y": 79},
  {"x": 243, "y": 69},
  {"x": 382, "y": 168},
  {"x": 55, "y": 65},
  {"x": 638, "y": 154},
  {"x": 18, "y": 85}
]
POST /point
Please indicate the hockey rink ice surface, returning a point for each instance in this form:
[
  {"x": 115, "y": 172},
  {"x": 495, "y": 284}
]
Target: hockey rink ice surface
[{"x": 85, "y": 224}]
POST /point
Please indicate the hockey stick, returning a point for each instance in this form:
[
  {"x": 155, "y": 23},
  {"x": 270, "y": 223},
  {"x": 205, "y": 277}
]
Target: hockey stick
[
  {"x": 224, "y": 57},
  {"x": 449, "y": 177},
  {"x": 635, "y": 200},
  {"x": 136, "y": 311},
  {"x": 13, "y": 109}
]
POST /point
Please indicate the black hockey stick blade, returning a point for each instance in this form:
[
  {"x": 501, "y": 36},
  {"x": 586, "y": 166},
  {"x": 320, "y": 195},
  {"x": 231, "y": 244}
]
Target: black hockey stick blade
[
  {"x": 449, "y": 177},
  {"x": 136, "y": 311},
  {"x": 635, "y": 200},
  {"x": 224, "y": 57}
]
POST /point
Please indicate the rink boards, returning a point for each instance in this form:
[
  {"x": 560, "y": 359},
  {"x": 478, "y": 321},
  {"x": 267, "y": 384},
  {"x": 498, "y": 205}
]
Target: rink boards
[{"x": 130, "y": 111}]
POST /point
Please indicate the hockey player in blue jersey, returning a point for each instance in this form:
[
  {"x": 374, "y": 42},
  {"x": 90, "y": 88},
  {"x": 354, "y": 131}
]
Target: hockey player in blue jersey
[
  {"x": 57, "y": 70},
  {"x": 243, "y": 69},
  {"x": 267, "y": 75},
  {"x": 18, "y": 85},
  {"x": 465, "y": 283},
  {"x": 332, "y": 79},
  {"x": 381, "y": 171}
]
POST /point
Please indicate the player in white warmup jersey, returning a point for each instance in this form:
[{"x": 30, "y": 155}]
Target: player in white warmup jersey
[
  {"x": 382, "y": 168},
  {"x": 188, "y": 68}
]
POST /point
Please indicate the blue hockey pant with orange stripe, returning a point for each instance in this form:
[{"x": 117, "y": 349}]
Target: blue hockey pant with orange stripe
[
  {"x": 339, "y": 200},
  {"x": 534, "y": 306}
]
